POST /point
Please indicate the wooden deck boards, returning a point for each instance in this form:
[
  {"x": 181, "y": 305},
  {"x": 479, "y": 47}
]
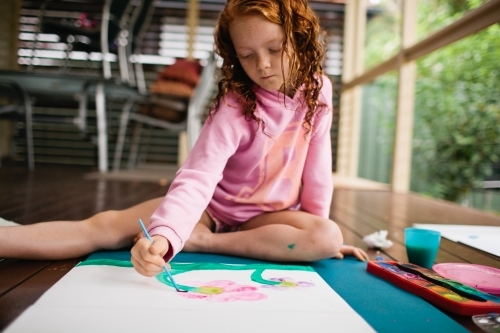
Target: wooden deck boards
[
  {"x": 63, "y": 193},
  {"x": 364, "y": 212}
]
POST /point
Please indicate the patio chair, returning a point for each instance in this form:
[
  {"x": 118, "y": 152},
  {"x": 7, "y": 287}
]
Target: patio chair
[
  {"x": 118, "y": 18},
  {"x": 16, "y": 106},
  {"x": 192, "y": 123},
  {"x": 128, "y": 12}
]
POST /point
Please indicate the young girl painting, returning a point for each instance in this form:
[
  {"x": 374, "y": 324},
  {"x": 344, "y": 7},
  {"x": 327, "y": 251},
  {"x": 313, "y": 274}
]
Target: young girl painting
[{"x": 258, "y": 181}]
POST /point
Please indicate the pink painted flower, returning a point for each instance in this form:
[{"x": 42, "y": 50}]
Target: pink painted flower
[
  {"x": 287, "y": 283},
  {"x": 223, "y": 291}
]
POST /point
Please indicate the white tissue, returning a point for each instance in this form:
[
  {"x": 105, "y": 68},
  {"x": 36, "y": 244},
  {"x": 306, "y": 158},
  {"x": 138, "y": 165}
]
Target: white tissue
[{"x": 378, "y": 240}]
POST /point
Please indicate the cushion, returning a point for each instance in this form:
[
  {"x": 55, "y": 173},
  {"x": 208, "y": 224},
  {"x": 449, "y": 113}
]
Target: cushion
[
  {"x": 161, "y": 112},
  {"x": 183, "y": 70},
  {"x": 173, "y": 88}
]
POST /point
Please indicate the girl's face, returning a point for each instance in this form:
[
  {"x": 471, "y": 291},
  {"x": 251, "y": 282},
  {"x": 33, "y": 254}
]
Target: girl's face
[{"x": 259, "y": 46}]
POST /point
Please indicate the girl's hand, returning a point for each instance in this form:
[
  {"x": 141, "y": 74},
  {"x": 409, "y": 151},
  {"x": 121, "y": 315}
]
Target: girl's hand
[
  {"x": 147, "y": 258},
  {"x": 348, "y": 250},
  {"x": 138, "y": 236}
]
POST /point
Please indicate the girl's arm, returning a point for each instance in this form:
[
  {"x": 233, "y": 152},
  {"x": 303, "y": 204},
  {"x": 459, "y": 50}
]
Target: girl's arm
[
  {"x": 195, "y": 182},
  {"x": 317, "y": 182}
]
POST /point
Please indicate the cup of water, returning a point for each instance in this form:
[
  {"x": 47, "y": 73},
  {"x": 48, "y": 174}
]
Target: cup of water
[{"x": 422, "y": 246}]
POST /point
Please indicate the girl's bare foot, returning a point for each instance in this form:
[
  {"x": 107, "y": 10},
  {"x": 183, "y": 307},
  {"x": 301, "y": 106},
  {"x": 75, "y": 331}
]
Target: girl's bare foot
[{"x": 199, "y": 239}]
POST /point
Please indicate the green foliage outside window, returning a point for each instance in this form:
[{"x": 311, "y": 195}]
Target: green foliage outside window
[
  {"x": 457, "y": 116},
  {"x": 457, "y": 105}
]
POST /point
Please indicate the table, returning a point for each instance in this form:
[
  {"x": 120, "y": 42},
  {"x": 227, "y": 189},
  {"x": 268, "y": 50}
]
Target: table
[{"x": 84, "y": 86}]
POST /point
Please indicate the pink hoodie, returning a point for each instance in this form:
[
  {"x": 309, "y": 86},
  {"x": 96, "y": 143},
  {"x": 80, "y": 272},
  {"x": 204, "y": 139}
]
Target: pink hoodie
[{"x": 236, "y": 172}]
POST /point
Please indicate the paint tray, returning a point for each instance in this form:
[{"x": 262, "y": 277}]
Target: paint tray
[{"x": 439, "y": 295}]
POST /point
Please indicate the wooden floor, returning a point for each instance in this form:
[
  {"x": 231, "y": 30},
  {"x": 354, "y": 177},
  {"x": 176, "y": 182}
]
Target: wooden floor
[{"x": 62, "y": 193}]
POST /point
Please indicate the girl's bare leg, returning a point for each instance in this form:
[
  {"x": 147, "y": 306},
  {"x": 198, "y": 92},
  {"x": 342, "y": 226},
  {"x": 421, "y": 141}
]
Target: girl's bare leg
[
  {"x": 278, "y": 236},
  {"x": 71, "y": 239}
]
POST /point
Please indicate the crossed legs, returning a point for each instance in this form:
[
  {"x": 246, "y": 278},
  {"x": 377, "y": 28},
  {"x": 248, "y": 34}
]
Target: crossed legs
[{"x": 278, "y": 236}]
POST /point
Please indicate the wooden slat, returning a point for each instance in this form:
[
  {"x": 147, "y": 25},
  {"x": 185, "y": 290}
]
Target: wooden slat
[
  {"x": 365, "y": 212},
  {"x": 16, "y": 272}
]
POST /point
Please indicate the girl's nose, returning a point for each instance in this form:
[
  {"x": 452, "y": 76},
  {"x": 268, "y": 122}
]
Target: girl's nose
[{"x": 263, "y": 62}]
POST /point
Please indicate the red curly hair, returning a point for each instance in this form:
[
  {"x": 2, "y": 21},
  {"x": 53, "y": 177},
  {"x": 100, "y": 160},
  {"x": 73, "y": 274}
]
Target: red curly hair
[{"x": 302, "y": 37}]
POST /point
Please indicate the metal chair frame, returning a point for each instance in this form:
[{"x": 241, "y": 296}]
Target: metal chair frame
[
  {"x": 192, "y": 124},
  {"x": 127, "y": 23},
  {"x": 24, "y": 107}
]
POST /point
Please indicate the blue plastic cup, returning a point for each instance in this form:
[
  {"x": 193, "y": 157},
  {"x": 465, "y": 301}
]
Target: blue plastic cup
[{"x": 422, "y": 246}]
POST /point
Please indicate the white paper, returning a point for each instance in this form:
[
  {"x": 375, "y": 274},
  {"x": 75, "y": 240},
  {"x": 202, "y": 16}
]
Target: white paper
[
  {"x": 5, "y": 223},
  {"x": 117, "y": 299},
  {"x": 486, "y": 243},
  {"x": 484, "y": 238}
]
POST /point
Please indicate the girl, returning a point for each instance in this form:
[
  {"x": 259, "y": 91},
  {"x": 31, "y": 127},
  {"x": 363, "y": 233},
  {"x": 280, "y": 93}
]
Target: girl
[
  {"x": 260, "y": 173},
  {"x": 258, "y": 182}
]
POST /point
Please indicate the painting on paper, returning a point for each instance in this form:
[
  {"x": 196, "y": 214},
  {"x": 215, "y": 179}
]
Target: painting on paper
[{"x": 105, "y": 295}]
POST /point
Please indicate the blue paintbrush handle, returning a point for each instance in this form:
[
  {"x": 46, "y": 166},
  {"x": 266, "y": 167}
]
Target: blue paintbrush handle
[{"x": 164, "y": 266}]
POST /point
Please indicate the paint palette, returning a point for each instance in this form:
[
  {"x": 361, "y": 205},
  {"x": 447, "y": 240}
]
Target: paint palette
[
  {"x": 481, "y": 277},
  {"x": 442, "y": 292}
]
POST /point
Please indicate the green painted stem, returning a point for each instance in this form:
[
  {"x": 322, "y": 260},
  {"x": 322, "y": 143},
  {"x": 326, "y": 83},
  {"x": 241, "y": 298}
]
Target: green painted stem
[{"x": 179, "y": 268}]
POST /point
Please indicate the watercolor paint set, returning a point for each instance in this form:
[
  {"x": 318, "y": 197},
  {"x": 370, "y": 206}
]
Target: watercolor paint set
[{"x": 445, "y": 293}]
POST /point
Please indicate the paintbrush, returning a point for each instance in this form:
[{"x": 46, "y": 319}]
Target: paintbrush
[{"x": 164, "y": 266}]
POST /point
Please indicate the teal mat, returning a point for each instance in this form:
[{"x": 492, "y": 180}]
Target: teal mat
[{"x": 385, "y": 307}]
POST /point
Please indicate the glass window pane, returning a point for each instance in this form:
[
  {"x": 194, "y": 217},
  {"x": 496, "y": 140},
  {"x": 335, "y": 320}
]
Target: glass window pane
[
  {"x": 377, "y": 128},
  {"x": 436, "y": 14},
  {"x": 383, "y": 31},
  {"x": 456, "y": 145}
]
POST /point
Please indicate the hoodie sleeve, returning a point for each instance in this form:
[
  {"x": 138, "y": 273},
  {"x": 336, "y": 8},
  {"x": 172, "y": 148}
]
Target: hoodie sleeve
[
  {"x": 317, "y": 181},
  {"x": 195, "y": 182}
]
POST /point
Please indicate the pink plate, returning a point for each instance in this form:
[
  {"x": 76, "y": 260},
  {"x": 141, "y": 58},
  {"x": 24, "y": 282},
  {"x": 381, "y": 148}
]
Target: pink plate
[{"x": 481, "y": 277}]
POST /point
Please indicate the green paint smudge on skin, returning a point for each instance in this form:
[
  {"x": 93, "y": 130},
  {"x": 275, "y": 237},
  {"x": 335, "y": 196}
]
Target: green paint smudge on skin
[
  {"x": 291, "y": 246},
  {"x": 179, "y": 268}
]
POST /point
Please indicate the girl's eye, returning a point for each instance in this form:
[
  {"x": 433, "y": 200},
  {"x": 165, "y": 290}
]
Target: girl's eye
[{"x": 246, "y": 56}]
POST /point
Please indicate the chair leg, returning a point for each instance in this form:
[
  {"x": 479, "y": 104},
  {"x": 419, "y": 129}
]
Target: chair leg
[
  {"x": 28, "y": 127},
  {"x": 121, "y": 134},
  {"x": 141, "y": 81},
  {"x": 29, "y": 135},
  {"x": 102, "y": 135},
  {"x": 69, "y": 47},
  {"x": 81, "y": 120},
  {"x": 122, "y": 58},
  {"x": 145, "y": 142},
  {"x": 134, "y": 146}
]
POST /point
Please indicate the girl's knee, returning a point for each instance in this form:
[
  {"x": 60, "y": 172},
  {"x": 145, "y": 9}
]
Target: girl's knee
[
  {"x": 102, "y": 221},
  {"x": 326, "y": 238},
  {"x": 105, "y": 229}
]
